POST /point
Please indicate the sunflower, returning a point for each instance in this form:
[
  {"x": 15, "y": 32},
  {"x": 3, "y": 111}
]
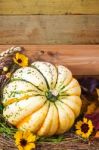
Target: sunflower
[
  {"x": 25, "y": 140},
  {"x": 84, "y": 128},
  {"x": 21, "y": 60}
]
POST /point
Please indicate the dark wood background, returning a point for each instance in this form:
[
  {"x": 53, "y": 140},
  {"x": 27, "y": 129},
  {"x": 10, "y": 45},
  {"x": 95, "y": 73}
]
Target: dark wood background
[{"x": 80, "y": 59}]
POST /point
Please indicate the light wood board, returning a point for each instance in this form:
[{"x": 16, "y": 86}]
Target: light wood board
[
  {"x": 45, "y": 29},
  {"x": 49, "y": 7}
]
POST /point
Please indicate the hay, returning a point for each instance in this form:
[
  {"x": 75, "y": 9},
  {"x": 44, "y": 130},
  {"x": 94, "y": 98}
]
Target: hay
[{"x": 70, "y": 143}]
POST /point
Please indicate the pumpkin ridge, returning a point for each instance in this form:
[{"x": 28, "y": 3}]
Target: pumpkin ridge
[
  {"x": 58, "y": 118},
  {"x": 62, "y": 128},
  {"x": 45, "y": 117},
  {"x": 67, "y": 91},
  {"x": 19, "y": 92},
  {"x": 57, "y": 75},
  {"x": 48, "y": 70},
  {"x": 19, "y": 79},
  {"x": 75, "y": 84},
  {"x": 25, "y": 119},
  {"x": 62, "y": 87},
  {"x": 42, "y": 75},
  {"x": 50, "y": 123},
  {"x": 13, "y": 100},
  {"x": 16, "y": 116},
  {"x": 69, "y": 107},
  {"x": 63, "y": 75},
  {"x": 72, "y": 96},
  {"x": 68, "y": 115},
  {"x": 56, "y": 72}
]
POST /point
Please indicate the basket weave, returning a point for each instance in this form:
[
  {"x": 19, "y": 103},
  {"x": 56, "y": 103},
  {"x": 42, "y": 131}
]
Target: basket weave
[{"x": 8, "y": 144}]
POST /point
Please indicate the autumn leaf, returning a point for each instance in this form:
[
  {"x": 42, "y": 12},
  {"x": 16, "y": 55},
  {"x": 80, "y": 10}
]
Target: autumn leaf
[
  {"x": 97, "y": 135},
  {"x": 91, "y": 108},
  {"x": 97, "y": 92},
  {"x": 88, "y": 87},
  {"x": 94, "y": 117}
]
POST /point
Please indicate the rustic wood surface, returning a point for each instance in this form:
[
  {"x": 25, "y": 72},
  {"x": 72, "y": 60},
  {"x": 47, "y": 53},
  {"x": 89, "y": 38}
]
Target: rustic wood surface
[
  {"x": 49, "y": 7},
  {"x": 53, "y": 22},
  {"x": 44, "y": 29},
  {"x": 81, "y": 59}
]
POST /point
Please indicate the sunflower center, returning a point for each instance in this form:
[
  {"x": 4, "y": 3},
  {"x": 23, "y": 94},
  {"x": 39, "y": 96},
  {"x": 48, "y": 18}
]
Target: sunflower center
[
  {"x": 84, "y": 128},
  {"x": 52, "y": 95},
  {"x": 23, "y": 142},
  {"x": 19, "y": 60}
]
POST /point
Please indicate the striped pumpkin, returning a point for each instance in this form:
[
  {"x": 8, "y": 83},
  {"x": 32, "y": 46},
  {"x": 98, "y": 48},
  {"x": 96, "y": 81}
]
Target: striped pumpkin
[{"x": 42, "y": 98}]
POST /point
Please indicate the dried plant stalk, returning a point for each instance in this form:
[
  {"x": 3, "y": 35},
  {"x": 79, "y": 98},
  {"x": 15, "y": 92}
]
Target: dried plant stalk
[{"x": 10, "y": 51}]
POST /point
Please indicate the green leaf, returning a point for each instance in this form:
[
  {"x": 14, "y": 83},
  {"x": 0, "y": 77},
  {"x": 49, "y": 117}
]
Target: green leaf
[{"x": 54, "y": 139}]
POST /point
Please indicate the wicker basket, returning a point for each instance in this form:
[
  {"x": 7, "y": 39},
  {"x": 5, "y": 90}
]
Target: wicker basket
[{"x": 71, "y": 144}]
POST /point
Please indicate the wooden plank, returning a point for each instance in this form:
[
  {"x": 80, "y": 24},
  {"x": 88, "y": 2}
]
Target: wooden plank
[
  {"x": 49, "y": 7},
  {"x": 45, "y": 29},
  {"x": 81, "y": 59}
]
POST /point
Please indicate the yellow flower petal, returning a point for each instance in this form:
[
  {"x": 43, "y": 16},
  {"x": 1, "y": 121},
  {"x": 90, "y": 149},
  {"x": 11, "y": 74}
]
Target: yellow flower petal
[
  {"x": 15, "y": 60},
  {"x": 84, "y": 135},
  {"x": 29, "y": 146},
  {"x": 88, "y": 134},
  {"x": 78, "y": 124},
  {"x": 20, "y": 147},
  {"x": 90, "y": 123},
  {"x": 17, "y": 142},
  {"x": 26, "y": 134},
  {"x": 17, "y": 55},
  {"x": 22, "y": 58},
  {"x": 18, "y": 135},
  {"x": 31, "y": 138},
  {"x": 85, "y": 120},
  {"x": 78, "y": 132}
]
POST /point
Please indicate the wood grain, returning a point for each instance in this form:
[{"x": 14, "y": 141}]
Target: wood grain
[
  {"x": 45, "y": 29},
  {"x": 80, "y": 59},
  {"x": 49, "y": 7}
]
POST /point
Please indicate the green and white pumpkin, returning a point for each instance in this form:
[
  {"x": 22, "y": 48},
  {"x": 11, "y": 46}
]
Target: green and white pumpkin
[{"x": 42, "y": 98}]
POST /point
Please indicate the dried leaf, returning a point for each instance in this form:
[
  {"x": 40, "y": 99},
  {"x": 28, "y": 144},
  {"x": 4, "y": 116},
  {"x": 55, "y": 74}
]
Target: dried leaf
[
  {"x": 88, "y": 86},
  {"x": 85, "y": 103},
  {"x": 97, "y": 93},
  {"x": 97, "y": 135},
  {"x": 94, "y": 117},
  {"x": 91, "y": 108}
]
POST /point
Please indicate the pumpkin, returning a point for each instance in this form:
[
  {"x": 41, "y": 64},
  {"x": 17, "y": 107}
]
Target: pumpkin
[{"x": 42, "y": 98}]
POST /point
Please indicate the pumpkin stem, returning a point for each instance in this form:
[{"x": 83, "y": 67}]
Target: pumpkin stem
[{"x": 52, "y": 95}]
